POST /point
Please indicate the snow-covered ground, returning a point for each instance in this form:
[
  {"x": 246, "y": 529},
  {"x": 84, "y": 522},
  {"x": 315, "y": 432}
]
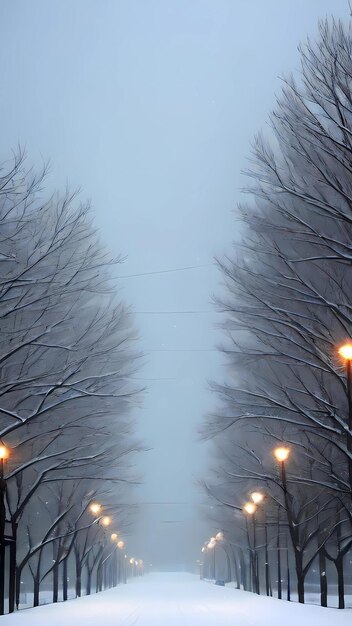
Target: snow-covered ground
[{"x": 176, "y": 600}]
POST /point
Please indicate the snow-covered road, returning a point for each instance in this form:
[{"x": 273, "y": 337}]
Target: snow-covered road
[{"x": 176, "y": 600}]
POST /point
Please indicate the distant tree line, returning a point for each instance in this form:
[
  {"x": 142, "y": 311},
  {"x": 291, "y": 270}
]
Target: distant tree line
[
  {"x": 67, "y": 362},
  {"x": 287, "y": 301}
]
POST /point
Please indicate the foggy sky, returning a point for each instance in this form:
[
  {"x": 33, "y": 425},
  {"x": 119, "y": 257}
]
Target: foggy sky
[{"x": 150, "y": 107}]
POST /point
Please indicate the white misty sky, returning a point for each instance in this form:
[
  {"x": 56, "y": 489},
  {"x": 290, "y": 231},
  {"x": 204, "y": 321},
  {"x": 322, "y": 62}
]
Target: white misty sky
[{"x": 150, "y": 107}]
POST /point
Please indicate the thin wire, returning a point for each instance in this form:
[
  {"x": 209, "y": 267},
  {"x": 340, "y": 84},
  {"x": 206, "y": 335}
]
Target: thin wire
[
  {"x": 176, "y": 269},
  {"x": 183, "y": 350},
  {"x": 173, "y": 312}
]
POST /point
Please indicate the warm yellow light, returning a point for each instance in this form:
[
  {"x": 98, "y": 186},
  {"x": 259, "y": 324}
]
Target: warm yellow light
[
  {"x": 219, "y": 536},
  {"x": 95, "y": 508},
  {"x": 113, "y": 536},
  {"x": 250, "y": 508},
  {"x": 106, "y": 520},
  {"x": 346, "y": 351},
  {"x": 121, "y": 545},
  {"x": 257, "y": 497},
  {"x": 4, "y": 453},
  {"x": 282, "y": 454},
  {"x": 131, "y": 561},
  {"x": 211, "y": 544}
]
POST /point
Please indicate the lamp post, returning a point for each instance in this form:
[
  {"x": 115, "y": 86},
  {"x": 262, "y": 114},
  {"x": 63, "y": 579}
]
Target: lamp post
[
  {"x": 345, "y": 352},
  {"x": 249, "y": 510},
  {"x": 211, "y": 546},
  {"x": 201, "y": 568},
  {"x": 95, "y": 508},
  {"x": 258, "y": 497},
  {"x": 4, "y": 453},
  {"x": 281, "y": 454}
]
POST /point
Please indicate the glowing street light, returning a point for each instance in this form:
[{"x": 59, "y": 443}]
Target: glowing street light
[
  {"x": 282, "y": 453},
  {"x": 95, "y": 508},
  {"x": 121, "y": 544},
  {"x": 249, "y": 508},
  {"x": 106, "y": 521},
  {"x": 4, "y": 452},
  {"x": 219, "y": 536},
  {"x": 257, "y": 497},
  {"x": 346, "y": 351},
  {"x": 113, "y": 536}
]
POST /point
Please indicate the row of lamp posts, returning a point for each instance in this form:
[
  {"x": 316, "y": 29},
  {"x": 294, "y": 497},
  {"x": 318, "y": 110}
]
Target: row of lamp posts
[
  {"x": 106, "y": 521},
  {"x": 250, "y": 510},
  {"x": 137, "y": 565},
  {"x": 210, "y": 549}
]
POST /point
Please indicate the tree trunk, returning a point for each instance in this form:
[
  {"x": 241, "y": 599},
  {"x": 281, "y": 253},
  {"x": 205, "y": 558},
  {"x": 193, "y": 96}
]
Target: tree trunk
[
  {"x": 267, "y": 571},
  {"x": 89, "y": 582},
  {"x": 288, "y": 577},
  {"x": 237, "y": 570},
  {"x": 228, "y": 567},
  {"x": 243, "y": 570},
  {"x": 300, "y": 576},
  {"x": 340, "y": 581},
  {"x": 64, "y": 580},
  {"x": 36, "y": 587},
  {"x": 18, "y": 586},
  {"x": 279, "y": 584},
  {"x": 323, "y": 579},
  {"x": 78, "y": 581},
  {"x": 55, "y": 547},
  {"x": 56, "y": 584}
]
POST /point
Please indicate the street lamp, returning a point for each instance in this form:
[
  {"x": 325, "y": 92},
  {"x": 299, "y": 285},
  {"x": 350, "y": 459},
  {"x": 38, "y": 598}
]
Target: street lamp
[
  {"x": 212, "y": 545},
  {"x": 95, "y": 508},
  {"x": 113, "y": 536},
  {"x": 257, "y": 497},
  {"x": 282, "y": 453},
  {"x": 106, "y": 521},
  {"x": 346, "y": 352},
  {"x": 121, "y": 545},
  {"x": 4, "y": 454},
  {"x": 249, "y": 508}
]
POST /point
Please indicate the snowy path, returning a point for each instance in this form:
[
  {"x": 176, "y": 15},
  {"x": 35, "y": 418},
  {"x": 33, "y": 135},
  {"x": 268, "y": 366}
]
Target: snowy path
[{"x": 176, "y": 600}]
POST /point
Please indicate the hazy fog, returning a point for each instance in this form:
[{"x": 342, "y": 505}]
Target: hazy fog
[{"x": 150, "y": 107}]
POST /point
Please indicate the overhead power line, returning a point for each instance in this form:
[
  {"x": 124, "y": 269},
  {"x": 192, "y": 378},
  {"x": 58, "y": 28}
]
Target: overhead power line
[
  {"x": 182, "y": 350},
  {"x": 168, "y": 271},
  {"x": 173, "y": 312}
]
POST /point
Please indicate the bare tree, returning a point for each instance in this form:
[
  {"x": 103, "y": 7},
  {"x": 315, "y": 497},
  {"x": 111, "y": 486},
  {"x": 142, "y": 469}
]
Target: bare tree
[
  {"x": 288, "y": 282},
  {"x": 67, "y": 357}
]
